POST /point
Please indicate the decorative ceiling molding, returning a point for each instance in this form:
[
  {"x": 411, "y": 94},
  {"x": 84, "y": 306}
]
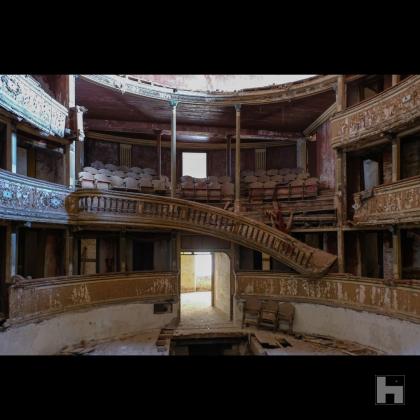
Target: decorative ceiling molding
[{"x": 285, "y": 92}]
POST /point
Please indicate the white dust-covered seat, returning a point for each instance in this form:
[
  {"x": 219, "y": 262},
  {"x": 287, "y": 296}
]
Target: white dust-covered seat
[
  {"x": 90, "y": 169},
  {"x": 124, "y": 168},
  {"x": 106, "y": 172},
  {"x": 149, "y": 171},
  {"x": 159, "y": 185},
  {"x": 136, "y": 170},
  {"x": 212, "y": 178},
  {"x": 121, "y": 174},
  {"x": 145, "y": 184},
  {"x": 263, "y": 178},
  {"x": 87, "y": 180},
  {"x": 269, "y": 187},
  {"x": 228, "y": 190},
  {"x": 134, "y": 175},
  {"x": 116, "y": 181},
  {"x": 102, "y": 182},
  {"x": 131, "y": 183},
  {"x": 250, "y": 179},
  {"x": 291, "y": 176},
  {"x": 214, "y": 190}
]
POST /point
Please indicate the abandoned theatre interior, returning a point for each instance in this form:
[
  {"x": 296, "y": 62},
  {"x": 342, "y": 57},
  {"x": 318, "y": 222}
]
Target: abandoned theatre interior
[{"x": 209, "y": 214}]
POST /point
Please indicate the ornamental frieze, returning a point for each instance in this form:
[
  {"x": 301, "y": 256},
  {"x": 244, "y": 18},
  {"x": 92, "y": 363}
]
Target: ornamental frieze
[
  {"x": 387, "y": 111},
  {"x": 23, "y": 96}
]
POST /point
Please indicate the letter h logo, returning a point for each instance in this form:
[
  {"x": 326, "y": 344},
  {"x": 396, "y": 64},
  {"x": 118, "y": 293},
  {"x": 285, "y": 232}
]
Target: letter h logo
[{"x": 390, "y": 389}]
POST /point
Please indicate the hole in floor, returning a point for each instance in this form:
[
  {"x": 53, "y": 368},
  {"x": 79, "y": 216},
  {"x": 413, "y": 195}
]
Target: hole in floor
[{"x": 210, "y": 346}]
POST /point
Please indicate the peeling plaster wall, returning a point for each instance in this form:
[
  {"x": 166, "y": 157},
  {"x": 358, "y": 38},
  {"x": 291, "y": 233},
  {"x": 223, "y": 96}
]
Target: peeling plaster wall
[
  {"x": 51, "y": 335},
  {"x": 387, "y": 165},
  {"x": 222, "y": 282},
  {"x": 187, "y": 273},
  {"x": 325, "y": 157}
]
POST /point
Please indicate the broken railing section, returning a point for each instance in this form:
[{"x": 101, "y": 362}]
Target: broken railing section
[{"x": 163, "y": 212}]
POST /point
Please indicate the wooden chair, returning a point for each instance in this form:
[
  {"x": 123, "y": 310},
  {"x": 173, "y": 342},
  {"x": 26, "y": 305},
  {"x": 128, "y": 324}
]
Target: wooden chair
[
  {"x": 286, "y": 312},
  {"x": 251, "y": 312},
  {"x": 269, "y": 314}
]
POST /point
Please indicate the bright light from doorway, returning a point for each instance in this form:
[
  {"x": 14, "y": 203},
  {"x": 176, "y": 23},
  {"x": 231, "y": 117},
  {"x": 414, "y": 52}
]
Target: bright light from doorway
[
  {"x": 202, "y": 264},
  {"x": 194, "y": 164}
]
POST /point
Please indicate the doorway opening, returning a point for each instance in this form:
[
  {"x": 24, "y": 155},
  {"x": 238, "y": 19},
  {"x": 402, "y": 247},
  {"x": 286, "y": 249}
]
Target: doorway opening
[{"x": 205, "y": 288}]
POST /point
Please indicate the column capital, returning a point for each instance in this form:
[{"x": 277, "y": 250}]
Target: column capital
[
  {"x": 238, "y": 107},
  {"x": 173, "y": 103}
]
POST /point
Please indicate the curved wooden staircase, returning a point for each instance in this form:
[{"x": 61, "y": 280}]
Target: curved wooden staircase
[{"x": 133, "y": 209}]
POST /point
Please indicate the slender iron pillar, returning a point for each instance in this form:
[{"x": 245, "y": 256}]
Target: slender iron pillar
[
  {"x": 11, "y": 252},
  {"x": 159, "y": 151},
  {"x": 229, "y": 155},
  {"x": 173, "y": 148},
  {"x": 11, "y": 146},
  {"x": 238, "y": 159}
]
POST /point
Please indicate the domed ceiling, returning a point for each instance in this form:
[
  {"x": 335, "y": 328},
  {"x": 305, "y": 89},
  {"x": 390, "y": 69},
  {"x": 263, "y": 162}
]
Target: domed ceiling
[{"x": 220, "y": 82}]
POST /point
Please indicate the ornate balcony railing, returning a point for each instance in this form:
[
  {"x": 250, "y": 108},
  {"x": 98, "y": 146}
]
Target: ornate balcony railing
[
  {"x": 24, "y": 198},
  {"x": 394, "y": 203},
  {"x": 340, "y": 290},
  {"x": 40, "y": 298},
  {"x": 23, "y": 96},
  {"x": 393, "y": 110}
]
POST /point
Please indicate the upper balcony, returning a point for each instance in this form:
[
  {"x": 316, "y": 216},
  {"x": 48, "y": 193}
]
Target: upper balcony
[
  {"x": 394, "y": 203},
  {"x": 391, "y": 111},
  {"x": 23, "y": 96}
]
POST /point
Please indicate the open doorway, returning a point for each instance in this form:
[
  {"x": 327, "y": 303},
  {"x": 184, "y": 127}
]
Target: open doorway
[{"x": 205, "y": 288}]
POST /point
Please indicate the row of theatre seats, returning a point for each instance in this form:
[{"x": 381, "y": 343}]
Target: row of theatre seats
[
  {"x": 212, "y": 188},
  {"x": 274, "y": 184},
  {"x": 110, "y": 176},
  {"x": 279, "y": 184}
]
